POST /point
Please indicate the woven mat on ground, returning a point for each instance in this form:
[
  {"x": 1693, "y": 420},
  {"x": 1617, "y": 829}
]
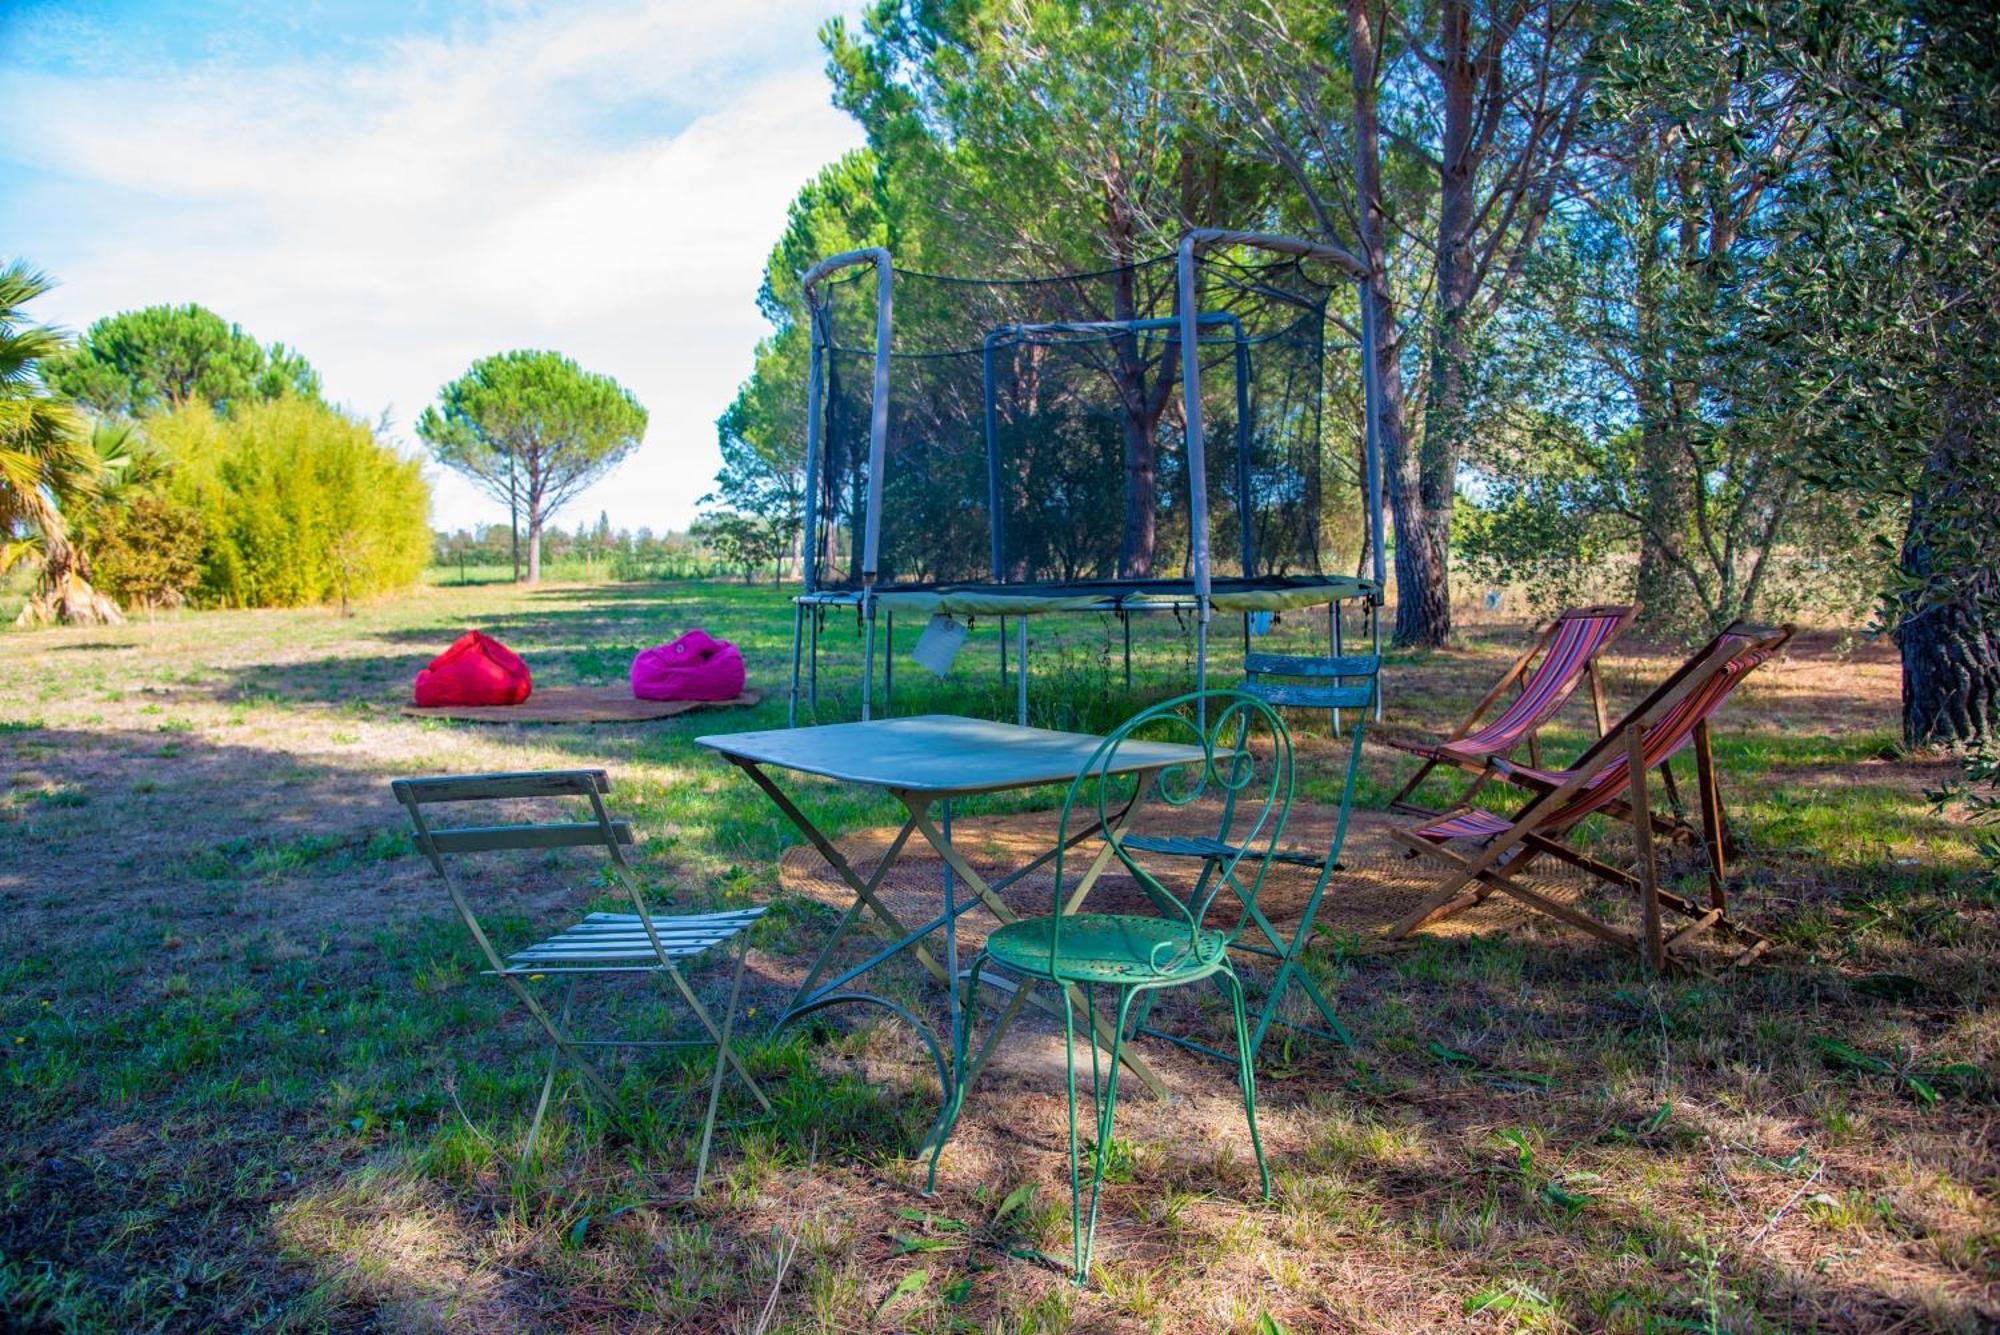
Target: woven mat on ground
[
  {"x": 1376, "y": 885},
  {"x": 579, "y": 704}
]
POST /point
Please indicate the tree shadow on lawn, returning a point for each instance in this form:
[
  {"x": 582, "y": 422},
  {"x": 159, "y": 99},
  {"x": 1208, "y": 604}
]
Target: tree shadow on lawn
[
  {"x": 239, "y": 1100},
  {"x": 235, "y": 986},
  {"x": 1496, "y": 1142}
]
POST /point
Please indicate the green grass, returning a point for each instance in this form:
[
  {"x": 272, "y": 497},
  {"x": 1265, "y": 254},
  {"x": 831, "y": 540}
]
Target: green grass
[{"x": 252, "y": 1077}]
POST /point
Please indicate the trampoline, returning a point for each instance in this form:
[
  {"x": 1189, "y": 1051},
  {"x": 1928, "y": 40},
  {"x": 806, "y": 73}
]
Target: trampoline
[{"x": 1025, "y": 447}]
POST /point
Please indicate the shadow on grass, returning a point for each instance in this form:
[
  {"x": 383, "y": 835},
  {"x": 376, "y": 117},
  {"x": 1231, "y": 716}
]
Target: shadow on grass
[{"x": 247, "y": 1015}]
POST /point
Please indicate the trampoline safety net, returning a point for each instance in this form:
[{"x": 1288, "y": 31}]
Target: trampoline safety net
[{"x": 1036, "y": 426}]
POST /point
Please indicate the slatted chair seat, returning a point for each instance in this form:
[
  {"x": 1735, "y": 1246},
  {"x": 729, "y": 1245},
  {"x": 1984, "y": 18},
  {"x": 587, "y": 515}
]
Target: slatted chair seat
[
  {"x": 599, "y": 943},
  {"x": 1563, "y": 656},
  {"x": 609, "y": 938},
  {"x": 1611, "y": 778}
]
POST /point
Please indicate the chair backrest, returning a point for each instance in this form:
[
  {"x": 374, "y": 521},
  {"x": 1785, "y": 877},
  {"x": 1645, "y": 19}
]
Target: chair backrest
[
  {"x": 1343, "y": 682},
  {"x": 1668, "y": 715},
  {"x": 1340, "y": 682},
  {"x": 1245, "y": 765},
  {"x": 1567, "y": 646},
  {"x": 439, "y": 842}
]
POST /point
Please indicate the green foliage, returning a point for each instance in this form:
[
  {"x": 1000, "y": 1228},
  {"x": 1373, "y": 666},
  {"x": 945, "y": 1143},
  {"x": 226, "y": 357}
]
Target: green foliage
[
  {"x": 743, "y": 542},
  {"x": 1978, "y": 787},
  {"x": 163, "y": 357},
  {"x": 533, "y": 429},
  {"x": 46, "y": 463},
  {"x": 298, "y": 503},
  {"x": 43, "y": 455},
  {"x": 149, "y": 551}
]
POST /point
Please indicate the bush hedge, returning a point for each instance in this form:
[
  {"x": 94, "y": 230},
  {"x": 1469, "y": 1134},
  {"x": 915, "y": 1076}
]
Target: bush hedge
[{"x": 298, "y": 503}]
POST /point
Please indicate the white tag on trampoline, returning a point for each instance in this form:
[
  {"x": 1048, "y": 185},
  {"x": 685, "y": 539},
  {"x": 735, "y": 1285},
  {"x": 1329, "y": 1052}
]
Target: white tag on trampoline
[
  {"x": 1260, "y": 623},
  {"x": 939, "y": 644}
]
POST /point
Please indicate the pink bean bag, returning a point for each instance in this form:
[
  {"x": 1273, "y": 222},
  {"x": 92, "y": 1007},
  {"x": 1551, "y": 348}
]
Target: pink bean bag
[
  {"x": 697, "y": 666},
  {"x": 476, "y": 670}
]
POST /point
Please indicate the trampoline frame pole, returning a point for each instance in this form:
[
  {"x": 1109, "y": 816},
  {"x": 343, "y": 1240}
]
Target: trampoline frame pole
[
  {"x": 998, "y": 520},
  {"x": 1197, "y": 462},
  {"x": 1371, "y": 396}
]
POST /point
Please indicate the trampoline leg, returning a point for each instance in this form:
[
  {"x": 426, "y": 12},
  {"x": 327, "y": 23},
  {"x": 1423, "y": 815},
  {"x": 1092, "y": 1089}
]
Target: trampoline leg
[
  {"x": 1003, "y": 656},
  {"x": 1201, "y": 666},
  {"x": 868, "y": 663},
  {"x": 888, "y": 664},
  {"x": 1021, "y": 670},
  {"x": 1375, "y": 625},
  {"x": 1333, "y": 651},
  {"x": 798, "y": 634},
  {"x": 812, "y": 681},
  {"x": 1126, "y": 617}
]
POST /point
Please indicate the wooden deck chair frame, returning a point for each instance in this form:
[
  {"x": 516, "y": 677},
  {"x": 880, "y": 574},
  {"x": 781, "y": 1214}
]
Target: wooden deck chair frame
[
  {"x": 1347, "y": 681},
  {"x": 1537, "y": 829},
  {"x": 1714, "y": 831},
  {"x": 640, "y": 942},
  {"x": 1522, "y": 674}
]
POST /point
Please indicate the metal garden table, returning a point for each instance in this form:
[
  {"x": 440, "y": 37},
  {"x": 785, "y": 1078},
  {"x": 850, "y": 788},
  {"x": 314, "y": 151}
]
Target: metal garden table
[{"x": 925, "y": 762}]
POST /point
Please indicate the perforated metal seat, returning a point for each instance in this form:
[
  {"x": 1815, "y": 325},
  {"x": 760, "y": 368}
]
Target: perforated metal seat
[{"x": 1106, "y": 948}]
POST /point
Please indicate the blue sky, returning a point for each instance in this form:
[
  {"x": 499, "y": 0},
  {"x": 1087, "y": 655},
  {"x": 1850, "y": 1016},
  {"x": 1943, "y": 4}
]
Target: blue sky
[{"x": 398, "y": 189}]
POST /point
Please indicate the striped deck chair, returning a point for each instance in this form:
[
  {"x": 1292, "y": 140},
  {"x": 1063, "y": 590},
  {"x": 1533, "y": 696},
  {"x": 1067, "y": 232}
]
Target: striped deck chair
[
  {"x": 1673, "y": 716},
  {"x": 1563, "y": 655},
  {"x": 601, "y": 944},
  {"x": 1673, "y": 823}
]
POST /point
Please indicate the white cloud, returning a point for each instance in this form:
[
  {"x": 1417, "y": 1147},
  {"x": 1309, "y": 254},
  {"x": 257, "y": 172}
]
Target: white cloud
[{"x": 607, "y": 183}]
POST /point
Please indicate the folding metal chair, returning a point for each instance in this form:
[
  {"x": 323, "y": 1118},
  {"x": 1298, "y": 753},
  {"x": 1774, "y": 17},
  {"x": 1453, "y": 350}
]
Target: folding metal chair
[
  {"x": 1336, "y": 683},
  {"x": 601, "y": 944},
  {"x": 1563, "y": 656}
]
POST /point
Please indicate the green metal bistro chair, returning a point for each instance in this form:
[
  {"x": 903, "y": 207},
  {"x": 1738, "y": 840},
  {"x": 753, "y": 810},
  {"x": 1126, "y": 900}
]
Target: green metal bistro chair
[
  {"x": 1248, "y": 766},
  {"x": 1342, "y": 682},
  {"x": 601, "y": 944}
]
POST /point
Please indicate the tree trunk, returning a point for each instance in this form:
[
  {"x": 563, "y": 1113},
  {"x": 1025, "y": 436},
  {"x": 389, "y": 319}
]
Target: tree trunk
[
  {"x": 1135, "y": 545},
  {"x": 1423, "y": 605},
  {"x": 534, "y": 544},
  {"x": 1951, "y": 643},
  {"x": 65, "y": 595},
  {"x": 1423, "y": 613}
]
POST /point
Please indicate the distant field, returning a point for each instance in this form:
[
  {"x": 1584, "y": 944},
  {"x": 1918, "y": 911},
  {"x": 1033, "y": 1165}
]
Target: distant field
[{"x": 253, "y": 1076}]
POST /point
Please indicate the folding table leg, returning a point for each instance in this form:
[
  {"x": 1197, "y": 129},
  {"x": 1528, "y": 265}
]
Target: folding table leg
[{"x": 864, "y": 890}]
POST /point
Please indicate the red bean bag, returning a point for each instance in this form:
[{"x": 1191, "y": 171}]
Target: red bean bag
[
  {"x": 697, "y": 666},
  {"x": 476, "y": 670}
]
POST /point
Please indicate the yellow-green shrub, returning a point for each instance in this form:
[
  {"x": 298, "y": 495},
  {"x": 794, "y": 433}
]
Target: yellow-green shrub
[{"x": 299, "y": 503}]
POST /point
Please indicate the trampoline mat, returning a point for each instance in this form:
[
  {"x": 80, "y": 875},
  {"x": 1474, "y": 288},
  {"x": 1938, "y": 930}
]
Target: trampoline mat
[
  {"x": 1376, "y": 886},
  {"x": 580, "y": 704}
]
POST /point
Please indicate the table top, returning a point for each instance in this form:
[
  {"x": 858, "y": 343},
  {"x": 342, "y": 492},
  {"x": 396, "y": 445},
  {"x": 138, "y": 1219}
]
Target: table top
[{"x": 941, "y": 753}]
